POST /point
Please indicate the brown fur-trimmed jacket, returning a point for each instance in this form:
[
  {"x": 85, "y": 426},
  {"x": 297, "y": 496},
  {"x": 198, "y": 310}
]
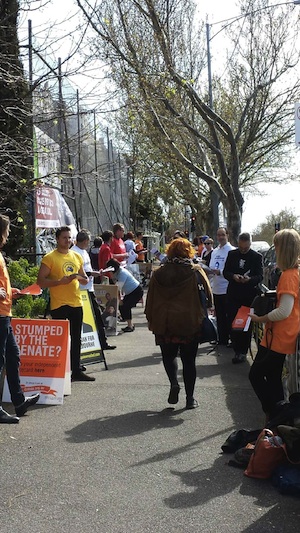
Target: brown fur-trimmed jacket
[{"x": 173, "y": 305}]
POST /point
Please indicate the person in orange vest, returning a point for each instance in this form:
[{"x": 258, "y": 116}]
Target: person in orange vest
[
  {"x": 139, "y": 247},
  {"x": 9, "y": 350}
]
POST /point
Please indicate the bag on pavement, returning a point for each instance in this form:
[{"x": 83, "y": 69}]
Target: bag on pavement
[
  {"x": 267, "y": 455},
  {"x": 239, "y": 438}
]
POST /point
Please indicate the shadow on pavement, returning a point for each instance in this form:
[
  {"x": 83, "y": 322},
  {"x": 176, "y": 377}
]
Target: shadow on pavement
[
  {"x": 210, "y": 483},
  {"x": 182, "y": 449},
  {"x": 149, "y": 360},
  {"x": 207, "y": 483},
  {"x": 124, "y": 425}
]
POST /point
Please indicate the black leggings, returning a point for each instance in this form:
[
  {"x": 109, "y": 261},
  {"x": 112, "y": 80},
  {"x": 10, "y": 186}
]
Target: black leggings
[
  {"x": 265, "y": 377},
  {"x": 188, "y": 354},
  {"x": 129, "y": 301}
]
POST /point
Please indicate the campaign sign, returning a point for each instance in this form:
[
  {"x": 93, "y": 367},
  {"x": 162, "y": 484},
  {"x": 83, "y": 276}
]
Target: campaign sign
[
  {"x": 107, "y": 299},
  {"x": 90, "y": 345},
  {"x": 44, "y": 345}
]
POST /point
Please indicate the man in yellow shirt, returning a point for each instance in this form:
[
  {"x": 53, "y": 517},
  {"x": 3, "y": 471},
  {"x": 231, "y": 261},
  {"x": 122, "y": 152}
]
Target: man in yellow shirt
[{"x": 61, "y": 271}]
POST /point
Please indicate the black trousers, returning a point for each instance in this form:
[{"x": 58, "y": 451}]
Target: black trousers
[
  {"x": 240, "y": 339},
  {"x": 129, "y": 301},
  {"x": 265, "y": 377},
  {"x": 187, "y": 354},
  {"x": 75, "y": 316},
  {"x": 220, "y": 303}
]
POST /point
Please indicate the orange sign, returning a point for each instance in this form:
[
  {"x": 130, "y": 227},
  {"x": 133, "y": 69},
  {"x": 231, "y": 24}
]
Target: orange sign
[{"x": 44, "y": 346}]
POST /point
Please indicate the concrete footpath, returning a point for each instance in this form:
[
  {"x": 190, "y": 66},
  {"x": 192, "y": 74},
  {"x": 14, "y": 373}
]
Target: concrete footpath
[{"x": 115, "y": 459}]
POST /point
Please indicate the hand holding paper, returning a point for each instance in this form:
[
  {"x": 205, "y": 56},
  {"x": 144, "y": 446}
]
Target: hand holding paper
[
  {"x": 131, "y": 257},
  {"x": 33, "y": 290}
]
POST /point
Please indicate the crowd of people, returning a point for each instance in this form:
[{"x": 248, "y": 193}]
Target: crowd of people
[
  {"x": 228, "y": 276},
  {"x": 68, "y": 269},
  {"x": 234, "y": 274}
]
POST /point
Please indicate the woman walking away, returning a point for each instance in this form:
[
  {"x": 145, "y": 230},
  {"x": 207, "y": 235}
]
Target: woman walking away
[
  {"x": 282, "y": 325},
  {"x": 132, "y": 290},
  {"x": 174, "y": 314}
]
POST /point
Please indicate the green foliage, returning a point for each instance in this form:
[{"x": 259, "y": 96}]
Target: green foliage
[
  {"x": 22, "y": 307},
  {"x": 29, "y": 307},
  {"x": 38, "y": 306},
  {"x": 266, "y": 230},
  {"x": 22, "y": 274}
]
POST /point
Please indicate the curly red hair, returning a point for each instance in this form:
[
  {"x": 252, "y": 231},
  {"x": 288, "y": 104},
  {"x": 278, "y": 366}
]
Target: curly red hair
[{"x": 180, "y": 248}]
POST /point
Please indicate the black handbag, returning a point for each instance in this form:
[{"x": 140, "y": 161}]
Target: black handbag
[
  {"x": 264, "y": 303},
  {"x": 208, "y": 332}
]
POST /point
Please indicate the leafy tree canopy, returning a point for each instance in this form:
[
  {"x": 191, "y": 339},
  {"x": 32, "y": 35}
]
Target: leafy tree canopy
[{"x": 286, "y": 218}]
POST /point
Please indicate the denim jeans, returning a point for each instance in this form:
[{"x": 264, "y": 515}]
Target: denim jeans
[{"x": 10, "y": 357}]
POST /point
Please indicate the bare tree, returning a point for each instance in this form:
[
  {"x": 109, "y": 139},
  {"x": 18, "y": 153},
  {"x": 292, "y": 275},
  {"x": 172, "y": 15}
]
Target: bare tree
[{"x": 151, "y": 53}]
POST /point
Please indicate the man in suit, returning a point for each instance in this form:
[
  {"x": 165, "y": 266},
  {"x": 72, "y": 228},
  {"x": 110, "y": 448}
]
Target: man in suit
[{"x": 243, "y": 270}]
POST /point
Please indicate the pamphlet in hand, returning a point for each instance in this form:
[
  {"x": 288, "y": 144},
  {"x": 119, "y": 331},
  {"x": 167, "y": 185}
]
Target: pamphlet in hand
[
  {"x": 33, "y": 290},
  {"x": 157, "y": 253},
  {"x": 242, "y": 319},
  {"x": 108, "y": 269},
  {"x": 131, "y": 257}
]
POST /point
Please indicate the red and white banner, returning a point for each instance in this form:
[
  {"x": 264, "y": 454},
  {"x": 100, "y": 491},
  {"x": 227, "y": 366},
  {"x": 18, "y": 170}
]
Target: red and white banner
[{"x": 51, "y": 210}]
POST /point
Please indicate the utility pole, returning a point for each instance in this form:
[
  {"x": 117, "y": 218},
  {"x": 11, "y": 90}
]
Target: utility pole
[
  {"x": 79, "y": 158},
  {"x": 31, "y": 136},
  {"x": 213, "y": 197}
]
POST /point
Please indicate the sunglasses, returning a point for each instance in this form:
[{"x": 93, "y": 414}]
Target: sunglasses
[{"x": 207, "y": 243}]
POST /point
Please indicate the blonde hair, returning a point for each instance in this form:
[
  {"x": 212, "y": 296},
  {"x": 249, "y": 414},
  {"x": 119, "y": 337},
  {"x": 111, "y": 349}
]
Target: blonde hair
[
  {"x": 180, "y": 248},
  {"x": 287, "y": 247}
]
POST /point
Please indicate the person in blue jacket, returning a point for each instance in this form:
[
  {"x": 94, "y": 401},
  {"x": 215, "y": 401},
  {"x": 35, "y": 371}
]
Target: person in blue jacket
[{"x": 130, "y": 288}]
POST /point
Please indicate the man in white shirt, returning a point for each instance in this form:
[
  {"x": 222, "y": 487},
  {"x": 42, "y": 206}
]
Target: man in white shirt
[
  {"x": 82, "y": 243},
  {"x": 219, "y": 284}
]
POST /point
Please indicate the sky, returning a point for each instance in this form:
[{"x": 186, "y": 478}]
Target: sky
[{"x": 270, "y": 198}]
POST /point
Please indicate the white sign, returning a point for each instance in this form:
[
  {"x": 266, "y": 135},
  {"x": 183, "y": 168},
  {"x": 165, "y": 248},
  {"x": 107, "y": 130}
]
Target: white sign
[{"x": 297, "y": 123}]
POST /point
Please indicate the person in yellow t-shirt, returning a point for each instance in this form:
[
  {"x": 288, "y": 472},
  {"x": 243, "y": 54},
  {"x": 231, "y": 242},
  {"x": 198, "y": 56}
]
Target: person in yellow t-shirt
[
  {"x": 9, "y": 350},
  {"x": 60, "y": 271},
  {"x": 282, "y": 325}
]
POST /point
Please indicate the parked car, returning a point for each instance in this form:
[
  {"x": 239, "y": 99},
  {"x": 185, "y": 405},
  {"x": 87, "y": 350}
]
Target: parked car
[
  {"x": 271, "y": 272},
  {"x": 260, "y": 246}
]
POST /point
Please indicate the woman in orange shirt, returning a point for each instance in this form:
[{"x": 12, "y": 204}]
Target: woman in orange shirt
[
  {"x": 282, "y": 325},
  {"x": 9, "y": 351}
]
